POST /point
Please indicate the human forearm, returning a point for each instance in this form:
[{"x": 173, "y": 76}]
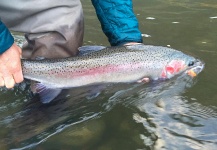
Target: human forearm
[{"x": 118, "y": 21}]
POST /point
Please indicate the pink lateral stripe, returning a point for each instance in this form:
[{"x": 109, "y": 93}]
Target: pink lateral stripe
[{"x": 100, "y": 70}]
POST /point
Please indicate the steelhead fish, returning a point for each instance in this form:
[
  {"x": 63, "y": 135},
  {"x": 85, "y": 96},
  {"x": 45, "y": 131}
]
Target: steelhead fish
[{"x": 108, "y": 65}]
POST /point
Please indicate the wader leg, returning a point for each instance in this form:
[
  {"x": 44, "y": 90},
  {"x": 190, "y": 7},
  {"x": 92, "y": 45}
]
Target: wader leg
[
  {"x": 53, "y": 29},
  {"x": 53, "y": 44}
]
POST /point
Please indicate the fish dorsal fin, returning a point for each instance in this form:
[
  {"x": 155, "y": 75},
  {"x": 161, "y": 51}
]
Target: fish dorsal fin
[
  {"x": 39, "y": 58},
  {"x": 88, "y": 49},
  {"x": 46, "y": 94}
]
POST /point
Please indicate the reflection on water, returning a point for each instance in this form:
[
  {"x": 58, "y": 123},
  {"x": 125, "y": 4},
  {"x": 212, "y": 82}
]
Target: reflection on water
[
  {"x": 177, "y": 114},
  {"x": 189, "y": 125}
]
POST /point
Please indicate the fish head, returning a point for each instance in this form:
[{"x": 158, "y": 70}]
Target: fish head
[{"x": 182, "y": 63}]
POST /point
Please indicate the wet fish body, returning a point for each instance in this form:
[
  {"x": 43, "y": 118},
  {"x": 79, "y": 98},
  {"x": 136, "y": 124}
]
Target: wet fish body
[
  {"x": 110, "y": 65},
  {"x": 116, "y": 64}
]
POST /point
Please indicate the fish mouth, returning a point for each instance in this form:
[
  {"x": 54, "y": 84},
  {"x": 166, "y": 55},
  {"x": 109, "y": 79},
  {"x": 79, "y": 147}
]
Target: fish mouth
[{"x": 196, "y": 69}]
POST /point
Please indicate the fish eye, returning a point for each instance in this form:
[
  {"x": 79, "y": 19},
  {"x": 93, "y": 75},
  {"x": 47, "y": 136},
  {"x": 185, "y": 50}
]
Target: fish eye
[{"x": 191, "y": 63}]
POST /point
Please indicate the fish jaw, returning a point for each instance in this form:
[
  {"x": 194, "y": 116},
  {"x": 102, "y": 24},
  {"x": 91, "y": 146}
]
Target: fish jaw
[{"x": 196, "y": 69}]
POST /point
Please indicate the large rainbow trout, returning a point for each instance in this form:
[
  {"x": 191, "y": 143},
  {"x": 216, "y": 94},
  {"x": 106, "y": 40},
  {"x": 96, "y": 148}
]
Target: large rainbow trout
[{"x": 109, "y": 65}]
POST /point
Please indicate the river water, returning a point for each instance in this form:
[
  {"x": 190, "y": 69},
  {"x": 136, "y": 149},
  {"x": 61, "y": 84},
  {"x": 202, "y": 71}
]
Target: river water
[{"x": 177, "y": 114}]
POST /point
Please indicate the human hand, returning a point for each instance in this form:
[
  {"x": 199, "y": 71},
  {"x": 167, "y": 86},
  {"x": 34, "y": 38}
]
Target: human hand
[{"x": 10, "y": 67}]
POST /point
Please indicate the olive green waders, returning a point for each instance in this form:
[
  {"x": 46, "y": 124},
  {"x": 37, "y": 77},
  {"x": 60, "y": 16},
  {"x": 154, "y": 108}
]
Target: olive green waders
[{"x": 53, "y": 28}]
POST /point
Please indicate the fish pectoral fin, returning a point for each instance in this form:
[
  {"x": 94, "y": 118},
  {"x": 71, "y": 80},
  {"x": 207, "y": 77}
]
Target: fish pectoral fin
[
  {"x": 144, "y": 80},
  {"x": 46, "y": 94}
]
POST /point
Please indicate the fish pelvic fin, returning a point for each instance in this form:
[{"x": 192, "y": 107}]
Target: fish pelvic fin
[{"x": 46, "y": 94}]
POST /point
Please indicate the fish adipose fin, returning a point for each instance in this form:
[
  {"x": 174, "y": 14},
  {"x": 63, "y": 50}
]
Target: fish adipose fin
[
  {"x": 46, "y": 94},
  {"x": 39, "y": 58}
]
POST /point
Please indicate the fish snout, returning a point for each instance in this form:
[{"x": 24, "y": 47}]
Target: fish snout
[{"x": 196, "y": 68}]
